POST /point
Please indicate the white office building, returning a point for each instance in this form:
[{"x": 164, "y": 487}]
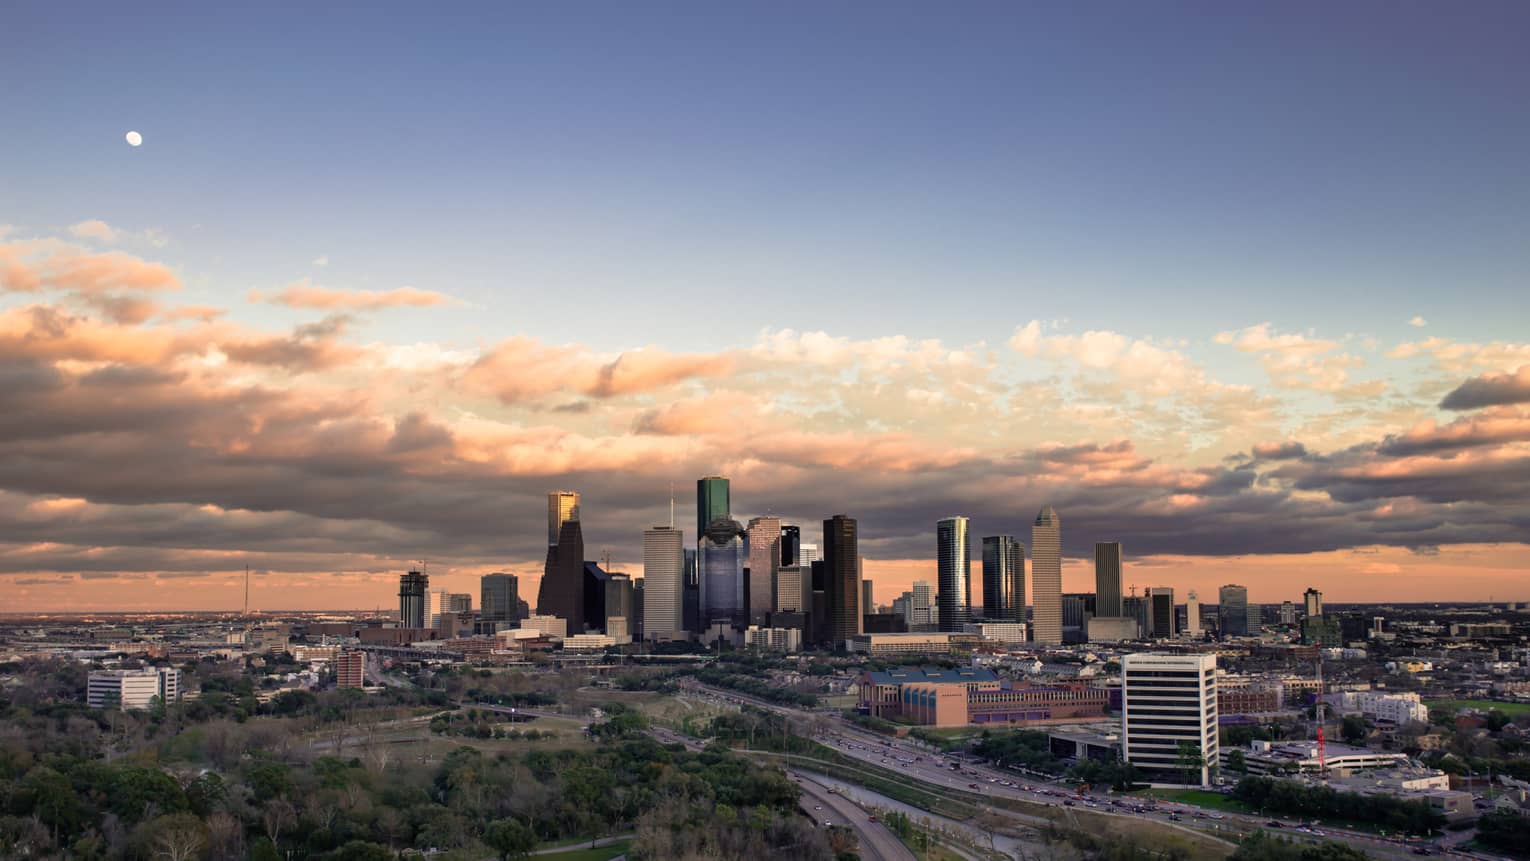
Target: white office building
[
  {"x": 773, "y": 639},
  {"x": 1046, "y": 577},
  {"x": 663, "y": 582},
  {"x": 133, "y": 689},
  {"x": 1168, "y": 714}
]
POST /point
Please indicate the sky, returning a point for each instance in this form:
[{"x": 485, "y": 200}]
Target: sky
[{"x": 1241, "y": 286}]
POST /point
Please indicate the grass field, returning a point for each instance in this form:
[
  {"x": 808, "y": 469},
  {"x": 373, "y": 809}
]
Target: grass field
[
  {"x": 1511, "y": 709},
  {"x": 599, "y": 853},
  {"x": 1200, "y": 798}
]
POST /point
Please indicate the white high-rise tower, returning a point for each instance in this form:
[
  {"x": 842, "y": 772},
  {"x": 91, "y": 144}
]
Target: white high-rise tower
[
  {"x": 663, "y": 582},
  {"x": 1046, "y": 577}
]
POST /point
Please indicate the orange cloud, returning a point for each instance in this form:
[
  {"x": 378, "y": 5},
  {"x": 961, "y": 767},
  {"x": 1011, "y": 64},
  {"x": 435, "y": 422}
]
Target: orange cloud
[{"x": 304, "y": 294}]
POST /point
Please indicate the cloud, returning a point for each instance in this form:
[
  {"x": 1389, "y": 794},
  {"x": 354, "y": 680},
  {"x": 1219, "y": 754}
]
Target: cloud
[
  {"x": 1296, "y": 361},
  {"x": 95, "y": 229},
  {"x": 1490, "y": 390},
  {"x": 303, "y": 294},
  {"x": 523, "y": 369},
  {"x": 1420, "y": 322},
  {"x": 321, "y": 260},
  {"x": 1461, "y": 356},
  {"x": 1286, "y": 450}
]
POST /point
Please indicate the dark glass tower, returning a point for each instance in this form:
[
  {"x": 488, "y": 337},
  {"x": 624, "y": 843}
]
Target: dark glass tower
[
  {"x": 841, "y": 557},
  {"x": 562, "y": 590},
  {"x": 498, "y": 595},
  {"x": 791, "y": 545},
  {"x": 953, "y": 574},
  {"x": 1003, "y": 579},
  {"x": 1107, "y": 578},
  {"x": 411, "y": 599},
  {"x": 711, "y": 503}
]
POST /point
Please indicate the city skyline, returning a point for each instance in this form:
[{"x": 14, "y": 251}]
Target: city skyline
[{"x": 1260, "y": 328}]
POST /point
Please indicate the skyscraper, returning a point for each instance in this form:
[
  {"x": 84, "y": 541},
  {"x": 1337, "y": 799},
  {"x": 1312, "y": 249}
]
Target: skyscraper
[
  {"x": 764, "y": 565},
  {"x": 791, "y": 545},
  {"x": 1232, "y": 610},
  {"x": 868, "y": 602},
  {"x": 711, "y": 503},
  {"x": 841, "y": 559},
  {"x": 1003, "y": 579},
  {"x": 922, "y": 608},
  {"x": 1161, "y": 612},
  {"x": 561, "y": 592},
  {"x": 808, "y": 554},
  {"x": 720, "y": 560},
  {"x": 1314, "y": 600},
  {"x": 1107, "y": 578},
  {"x": 498, "y": 598},
  {"x": 663, "y": 582},
  {"x": 953, "y": 573},
  {"x": 1193, "y": 614},
  {"x": 411, "y": 599},
  {"x": 690, "y": 612},
  {"x": 1046, "y": 577},
  {"x": 562, "y": 506}
]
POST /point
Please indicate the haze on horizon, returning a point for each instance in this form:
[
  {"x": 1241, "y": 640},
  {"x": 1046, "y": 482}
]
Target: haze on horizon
[{"x": 1242, "y": 288}]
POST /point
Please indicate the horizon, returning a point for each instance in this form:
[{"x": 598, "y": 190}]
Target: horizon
[{"x": 1240, "y": 288}]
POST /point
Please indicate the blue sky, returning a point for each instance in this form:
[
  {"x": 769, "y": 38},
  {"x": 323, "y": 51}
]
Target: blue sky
[{"x": 696, "y": 173}]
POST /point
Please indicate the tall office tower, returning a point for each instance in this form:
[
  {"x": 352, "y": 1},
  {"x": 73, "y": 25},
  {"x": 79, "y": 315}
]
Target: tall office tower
[
  {"x": 411, "y": 599},
  {"x": 794, "y": 592},
  {"x": 868, "y": 602},
  {"x": 619, "y": 620},
  {"x": 923, "y": 608},
  {"x": 1193, "y": 614},
  {"x": 791, "y": 545},
  {"x": 562, "y": 506},
  {"x": 903, "y": 607},
  {"x": 1287, "y": 613},
  {"x": 663, "y": 582},
  {"x": 351, "y": 669},
  {"x": 1003, "y": 579},
  {"x": 711, "y": 503},
  {"x": 498, "y": 595},
  {"x": 841, "y": 559},
  {"x": 720, "y": 563},
  {"x": 691, "y": 593},
  {"x": 1254, "y": 617},
  {"x": 561, "y": 593},
  {"x": 1161, "y": 612},
  {"x": 807, "y": 555},
  {"x": 1046, "y": 577},
  {"x": 459, "y": 602},
  {"x": 1107, "y": 578},
  {"x": 436, "y": 603},
  {"x": 1232, "y": 610},
  {"x": 953, "y": 574},
  {"x": 1314, "y": 600},
  {"x": 1075, "y": 618},
  {"x": 764, "y": 565},
  {"x": 1168, "y": 701},
  {"x": 1135, "y": 607}
]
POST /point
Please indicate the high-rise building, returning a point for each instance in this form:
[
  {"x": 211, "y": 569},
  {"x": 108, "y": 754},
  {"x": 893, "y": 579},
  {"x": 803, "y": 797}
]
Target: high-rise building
[
  {"x": 411, "y": 599},
  {"x": 953, "y": 574},
  {"x": 1107, "y": 578},
  {"x": 808, "y": 554},
  {"x": 498, "y": 598},
  {"x": 1075, "y": 616},
  {"x": 351, "y": 669},
  {"x": 712, "y": 503},
  {"x": 791, "y": 545},
  {"x": 1161, "y": 612},
  {"x": 562, "y": 506},
  {"x": 1046, "y": 577},
  {"x": 794, "y": 592},
  {"x": 690, "y": 601},
  {"x": 663, "y": 582},
  {"x": 842, "y": 573},
  {"x": 1169, "y": 716},
  {"x": 1193, "y": 614},
  {"x": 1314, "y": 600},
  {"x": 1287, "y": 613},
  {"x": 922, "y": 608},
  {"x": 619, "y": 620},
  {"x": 720, "y": 560},
  {"x": 459, "y": 602},
  {"x": 561, "y": 593},
  {"x": 1232, "y": 610},
  {"x": 1003, "y": 579},
  {"x": 436, "y": 603},
  {"x": 1254, "y": 619},
  {"x": 764, "y": 535},
  {"x": 1135, "y": 607},
  {"x": 868, "y": 601}
]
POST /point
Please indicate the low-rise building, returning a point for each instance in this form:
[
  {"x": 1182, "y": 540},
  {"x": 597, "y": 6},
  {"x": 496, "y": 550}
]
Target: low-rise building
[
  {"x": 912, "y": 643},
  {"x": 1294, "y": 757},
  {"x": 946, "y": 698},
  {"x": 1008, "y": 633},
  {"x": 132, "y": 689},
  {"x": 773, "y": 639}
]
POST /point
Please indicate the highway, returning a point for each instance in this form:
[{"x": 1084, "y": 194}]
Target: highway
[{"x": 827, "y": 808}]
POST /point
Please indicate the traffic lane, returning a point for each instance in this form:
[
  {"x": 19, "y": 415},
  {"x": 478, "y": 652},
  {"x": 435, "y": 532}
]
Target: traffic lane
[{"x": 876, "y": 842}]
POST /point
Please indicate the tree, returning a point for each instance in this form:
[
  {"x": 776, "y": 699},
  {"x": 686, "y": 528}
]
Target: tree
[
  {"x": 177, "y": 837},
  {"x": 510, "y": 839},
  {"x": 1236, "y": 761},
  {"x": 1353, "y": 729},
  {"x": 1190, "y": 761},
  {"x": 277, "y": 816}
]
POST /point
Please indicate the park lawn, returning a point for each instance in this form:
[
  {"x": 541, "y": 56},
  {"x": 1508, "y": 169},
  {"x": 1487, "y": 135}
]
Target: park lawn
[
  {"x": 1513, "y": 710},
  {"x": 1200, "y": 798},
  {"x": 599, "y": 853}
]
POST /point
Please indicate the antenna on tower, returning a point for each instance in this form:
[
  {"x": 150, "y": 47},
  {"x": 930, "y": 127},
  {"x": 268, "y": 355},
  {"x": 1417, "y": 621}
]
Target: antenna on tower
[
  {"x": 246, "y": 588},
  {"x": 671, "y": 505}
]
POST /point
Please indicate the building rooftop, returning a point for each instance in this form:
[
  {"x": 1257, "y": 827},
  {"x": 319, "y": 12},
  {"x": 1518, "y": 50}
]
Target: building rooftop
[{"x": 920, "y": 674}]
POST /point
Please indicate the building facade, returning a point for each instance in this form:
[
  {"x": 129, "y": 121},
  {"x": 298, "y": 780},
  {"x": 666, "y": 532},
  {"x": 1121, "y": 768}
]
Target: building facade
[
  {"x": 562, "y": 506},
  {"x": 764, "y": 534},
  {"x": 953, "y": 573},
  {"x": 720, "y": 560},
  {"x": 843, "y": 580},
  {"x": 1232, "y": 610},
  {"x": 499, "y": 598},
  {"x": 351, "y": 669},
  {"x": 131, "y": 690},
  {"x": 1107, "y": 578},
  {"x": 1161, "y": 612},
  {"x": 663, "y": 582},
  {"x": 412, "y": 610},
  {"x": 1169, "y": 716},
  {"x": 561, "y": 592},
  {"x": 712, "y": 502},
  {"x": 1046, "y": 577},
  {"x": 1003, "y": 579}
]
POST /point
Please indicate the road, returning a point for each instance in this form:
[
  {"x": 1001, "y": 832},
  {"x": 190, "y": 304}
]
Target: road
[
  {"x": 828, "y": 808},
  {"x": 925, "y": 766}
]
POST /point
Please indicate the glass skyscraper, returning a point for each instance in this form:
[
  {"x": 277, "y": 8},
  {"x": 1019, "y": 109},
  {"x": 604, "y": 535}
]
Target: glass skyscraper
[
  {"x": 562, "y": 506},
  {"x": 1046, "y": 577},
  {"x": 953, "y": 573},
  {"x": 841, "y": 558},
  {"x": 711, "y": 503},
  {"x": 1003, "y": 579},
  {"x": 720, "y": 560},
  {"x": 1107, "y": 578}
]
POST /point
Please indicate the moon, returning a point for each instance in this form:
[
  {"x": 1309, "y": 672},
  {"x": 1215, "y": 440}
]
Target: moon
[{"x": 134, "y": 139}]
